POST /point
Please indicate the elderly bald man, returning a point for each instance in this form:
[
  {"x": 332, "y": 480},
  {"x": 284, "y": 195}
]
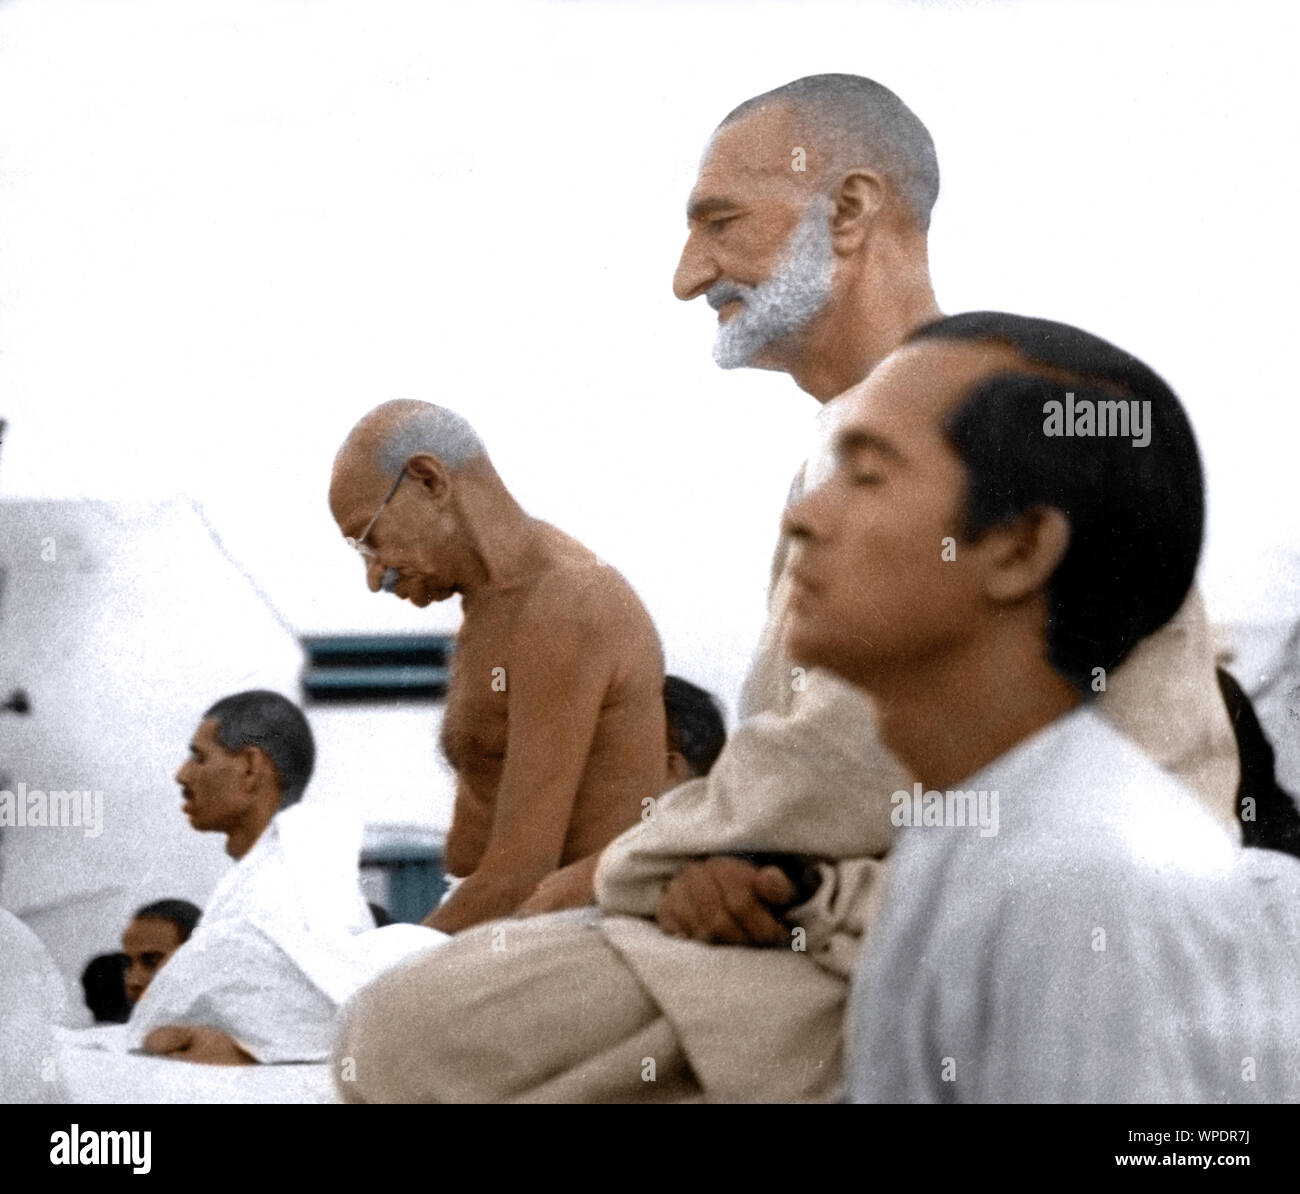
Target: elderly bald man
[{"x": 554, "y": 718}]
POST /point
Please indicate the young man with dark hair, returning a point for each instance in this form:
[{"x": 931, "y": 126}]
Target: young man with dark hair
[
  {"x": 275, "y": 726},
  {"x": 250, "y": 757},
  {"x": 273, "y": 957},
  {"x": 156, "y": 932},
  {"x": 1063, "y": 918},
  {"x": 180, "y": 913}
]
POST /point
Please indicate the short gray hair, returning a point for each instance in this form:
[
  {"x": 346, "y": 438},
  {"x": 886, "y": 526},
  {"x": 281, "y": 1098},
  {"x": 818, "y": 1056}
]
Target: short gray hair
[
  {"x": 868, "y": 125},
  {"x": 424, "y": 427}
]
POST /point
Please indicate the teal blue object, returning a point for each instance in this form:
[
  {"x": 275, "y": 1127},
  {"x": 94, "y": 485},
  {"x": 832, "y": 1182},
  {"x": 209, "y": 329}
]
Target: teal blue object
[{"x": 414, "y": 877}]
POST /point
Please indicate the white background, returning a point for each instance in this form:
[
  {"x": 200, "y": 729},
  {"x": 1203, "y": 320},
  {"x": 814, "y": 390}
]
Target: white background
[{"x": 229, "y": 228}]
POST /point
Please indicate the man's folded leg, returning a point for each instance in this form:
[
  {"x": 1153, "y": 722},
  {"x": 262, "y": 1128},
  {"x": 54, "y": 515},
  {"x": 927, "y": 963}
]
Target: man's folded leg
[{"x": 535, "y": 1010}]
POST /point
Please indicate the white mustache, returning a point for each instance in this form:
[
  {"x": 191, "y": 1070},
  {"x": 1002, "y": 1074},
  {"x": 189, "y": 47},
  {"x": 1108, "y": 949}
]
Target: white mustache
[
  {"x": 388, "y": 582},
  {"x": 720, "y": 294}
]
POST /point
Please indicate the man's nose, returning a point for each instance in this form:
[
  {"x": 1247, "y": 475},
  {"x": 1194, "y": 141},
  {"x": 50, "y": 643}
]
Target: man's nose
[
  {"x": 695, "y": 271},
  {"x": 374, "y": 574},
  {"x": 799, "y": 519},
  {"x": 135, "y": 980},
  {"x": 181, "y": 771}
]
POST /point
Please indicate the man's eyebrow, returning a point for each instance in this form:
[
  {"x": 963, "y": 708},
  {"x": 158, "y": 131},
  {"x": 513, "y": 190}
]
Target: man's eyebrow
[
  {"x": 708, "y": 205},
  {"x": 858, "y": 439}
]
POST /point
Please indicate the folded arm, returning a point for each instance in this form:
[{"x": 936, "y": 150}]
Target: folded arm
[{"x": 814, "y": 783}]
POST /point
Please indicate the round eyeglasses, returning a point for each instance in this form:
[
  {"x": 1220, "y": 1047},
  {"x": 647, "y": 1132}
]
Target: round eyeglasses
[{"x": 359, "y": 544}]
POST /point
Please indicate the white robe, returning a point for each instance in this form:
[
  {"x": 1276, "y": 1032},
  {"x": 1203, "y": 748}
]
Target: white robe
[
  {"x": 1111, "y": 943},
  {"x": 285, "y": 939},
  {"x": 32, "y": 1001}
]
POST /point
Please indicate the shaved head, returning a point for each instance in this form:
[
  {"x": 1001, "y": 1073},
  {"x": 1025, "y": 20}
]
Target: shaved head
[
  {"x": 395, "y": 431},
  {"x": 859, "y": 123},
  {"x": 401, "y": 491}
]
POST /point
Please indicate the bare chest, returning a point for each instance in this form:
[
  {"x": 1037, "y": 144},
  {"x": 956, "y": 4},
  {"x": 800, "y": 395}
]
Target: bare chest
[{"x": 474, "y": 719}]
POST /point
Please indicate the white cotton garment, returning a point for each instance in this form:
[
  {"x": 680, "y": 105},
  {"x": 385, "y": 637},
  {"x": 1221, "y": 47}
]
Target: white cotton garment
[
  {"x": 1110, "y": 943},
  {"x": 32, "y": 1002},
  {"x": 284, "y": 941}
]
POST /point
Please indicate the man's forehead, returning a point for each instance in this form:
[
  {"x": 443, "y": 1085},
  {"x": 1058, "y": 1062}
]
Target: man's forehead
[
  {"x": 914, "y": 389},
  {"x": 753, "y": 152},
  {"x": 150, "y": 930},
  {"x": 356, "y": 488},
  {"x": 207, "y": 731}
]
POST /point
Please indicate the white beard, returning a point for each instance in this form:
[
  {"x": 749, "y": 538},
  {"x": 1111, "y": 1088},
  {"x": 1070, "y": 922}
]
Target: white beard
[{"x": 786, "y": 302}]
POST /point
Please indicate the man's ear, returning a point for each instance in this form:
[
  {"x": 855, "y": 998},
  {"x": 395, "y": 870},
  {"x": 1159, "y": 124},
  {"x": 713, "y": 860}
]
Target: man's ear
[
  {"x": 678, "y": 769},
  {"x": 1023, "y": 554},
  {"x": 431, "y": 474},
  {"x": 256, "y": 769},
  {"x": 857, "y": 201}
]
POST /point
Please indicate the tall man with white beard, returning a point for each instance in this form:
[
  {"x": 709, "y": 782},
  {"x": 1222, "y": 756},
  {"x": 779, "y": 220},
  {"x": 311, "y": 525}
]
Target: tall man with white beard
[{"x": 869, "y": 267}]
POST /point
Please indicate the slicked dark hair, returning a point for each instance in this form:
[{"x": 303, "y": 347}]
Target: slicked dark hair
[
  {"x": 695, "y": 725},
  {"x": 275, "y": 725},
  {"x": 181, "y": 913},
  {"x": 1136, "y": 513},
  {"x": 865, "y": 124}
]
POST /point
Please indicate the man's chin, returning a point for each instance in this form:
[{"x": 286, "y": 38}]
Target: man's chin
[
  {"x": 423, "y": 595},
  {"x": 729, "y": 356},
  {"x": 807, "y": 648},
  {"x": 729, "y": 353},
  {"x": 802, "y": 649},
  {"x": 735, "y": 346}
]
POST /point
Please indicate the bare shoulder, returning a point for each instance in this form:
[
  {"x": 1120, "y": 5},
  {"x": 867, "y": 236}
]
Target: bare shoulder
[{"x": 585, "y": 593}]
